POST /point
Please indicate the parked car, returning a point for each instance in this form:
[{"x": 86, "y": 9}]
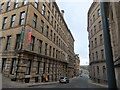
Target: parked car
[{"x": 64, "y": 80}]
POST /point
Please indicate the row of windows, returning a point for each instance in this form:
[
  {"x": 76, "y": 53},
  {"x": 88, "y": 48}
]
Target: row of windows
[
  {"x": 13, "y": 18},
  {"x": 97, "y": 70},
  {"x": 97, "y": 55},
  {"x": 53, "y": 22},
  {"x": 94, "y": 17},
  {"x": 95, "y": 29},
  {"x": 14, "y": 62},
  {"x": 49, "y": 33},
  {"x": 47, "y": 50},
  {"x": 95, "y": 43},
  {"x": 8, "y": 7}
]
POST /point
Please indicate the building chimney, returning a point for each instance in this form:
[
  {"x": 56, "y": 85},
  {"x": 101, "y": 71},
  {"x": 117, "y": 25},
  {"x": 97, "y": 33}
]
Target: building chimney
[{"x": 62, "y": 12}]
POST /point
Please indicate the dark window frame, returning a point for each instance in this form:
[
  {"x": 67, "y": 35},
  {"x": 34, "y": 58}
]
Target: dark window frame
[
  {"x": 22, "y": 19},
  {"x": 13, "y": 20}
]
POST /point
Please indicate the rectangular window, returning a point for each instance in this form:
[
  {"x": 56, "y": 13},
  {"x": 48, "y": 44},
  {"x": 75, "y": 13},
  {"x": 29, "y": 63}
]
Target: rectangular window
[
  {"x": 8, "y": 42},
  {"x": 102, "y": 54},
  {"x": 52, "y": 9},
  {"x": 13, "y": 20},
  {"x": 94, "y": 29},
  {"x": 36, "y": 3},
  {"x": 52, "y": 20},
  {"x": 96, "y": 55},
  {"x": 54, "y": 37},
  {"x": 50, "y": 50},
  {"x": 32, "y": 43},
  {"x": 22, "y": 18},
  {"x": 4, "y": 65},
  {"x": 95, "y": 42},
  {"x": 93, "y": 56},
  {"x": 43, "y": 9},
  {"x": 93, "y": 17},
  {"x": 40, "y": 46},
  {"x": 24, "y": 2},
  {"x": 99, "y": 12},
  {"x": 48, "y": 15},
  {"x": 51, "y": 35},
  {"x": 17, "y": 42},
  {"x": 57, "y": 40},
  {"x": 16, "y": 4},
  {"x": 100, "y": 25},
  {"x": 46, "y": 48},
  {"x": 47, "y": 29},
  {"x": 0, "y": 44},
  {"x": 8, "y": 5},
  {"x": 13, "y": 66},
  {"x": 44, "y": 67},
  {"x": 101, "y": 39},
  {"x": 42, "y": 26},
  {"x": 28, "y": 67},
  {"x": 35, "y": 21},
  {"x": 37, "y": 67},
  {"x": 53, "y": 52},
  {"x": 4, "y": 23},
  {"x": 1, "y": 8}
]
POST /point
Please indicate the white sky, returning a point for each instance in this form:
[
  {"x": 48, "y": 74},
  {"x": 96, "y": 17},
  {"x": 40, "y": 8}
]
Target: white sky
[{"x": 76, "y": 19}]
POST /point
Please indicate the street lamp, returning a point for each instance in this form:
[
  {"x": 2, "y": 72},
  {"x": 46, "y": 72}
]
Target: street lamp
[{"x": 107, "y": 45}]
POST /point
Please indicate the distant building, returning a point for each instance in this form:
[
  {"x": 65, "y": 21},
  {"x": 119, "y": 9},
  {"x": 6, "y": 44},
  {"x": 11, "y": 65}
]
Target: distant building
[
  {"x": 77, "y": 65},
  {"x": 35, "y": 41}
]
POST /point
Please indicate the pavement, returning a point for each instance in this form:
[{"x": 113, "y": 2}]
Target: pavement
[{"x": 7, "y": 83}]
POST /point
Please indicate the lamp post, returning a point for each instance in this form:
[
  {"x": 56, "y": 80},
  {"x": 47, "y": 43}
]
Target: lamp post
[{"x": 107, "y": 46}]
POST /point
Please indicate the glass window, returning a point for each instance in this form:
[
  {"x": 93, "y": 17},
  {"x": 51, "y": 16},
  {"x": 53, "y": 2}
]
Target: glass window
[
  {"x": 100, "y": 25},
  {"x": 99, "y": 12},
  {"x": 47, "y": 29},
  {"x": 13, "y": 20},
  {"x": 17, "y": 42},
  {"x": 101, "y": 39},
  {"x": 37, "y": 67},
  {"x": 8, "y": 5},
  {"x": 8, "y": 42},
  {"x": 32, "y": 43},
  {"x": 24, "y": 2},
  {"x": 22, "y": 17},
  {"x": 36, "y": 3},
  {"x": 1, "y": 8},
  {"x": 96, "y": 55},
  {"x": 46, "y": 48},
  {"x": 40, "y": 46},
  {"x": 102, "y": 54},
  {"x": 4, "y": 23},
  {"x": 16, "y": 4},
  {"x": 13, "y": 66},
  {"x": 48, "y": 15},
  {"x": 28, "y": 67},
  {"x": 42, "y": 26},
  {"x": 43, "y": 9},
  {"x": 50, "y": 50},
  {"x": 35, "y": 21},
  {"x": 95, "y": 42},
  {"x": 54, "y": 37},
  {"x": 4, "y": 65},
  {"x": 51, "y": 35}
]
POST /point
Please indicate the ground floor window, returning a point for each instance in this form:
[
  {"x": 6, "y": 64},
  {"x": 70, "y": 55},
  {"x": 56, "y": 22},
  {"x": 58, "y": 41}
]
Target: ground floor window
[
  {"x": 13, "y": 66},
  {"x": 4, "y": 65}
]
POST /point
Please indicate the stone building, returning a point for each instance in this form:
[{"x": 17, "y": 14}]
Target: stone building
[
  {"x": 98, "y": 71},
  {"x": 36, "y": 44},
  {"x": 114, "y": 24},
  {"x": 77, "y": 65}
]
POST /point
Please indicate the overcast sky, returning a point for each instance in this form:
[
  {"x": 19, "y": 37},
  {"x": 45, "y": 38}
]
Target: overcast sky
[{"x": 76, "y": 19}]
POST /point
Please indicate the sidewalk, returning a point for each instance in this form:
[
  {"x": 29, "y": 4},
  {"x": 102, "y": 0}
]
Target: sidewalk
[{"x": 102, "y": 85}]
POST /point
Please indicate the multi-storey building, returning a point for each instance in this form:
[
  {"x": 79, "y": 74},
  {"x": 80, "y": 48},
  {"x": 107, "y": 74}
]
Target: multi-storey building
[
  {"x": 98, "y": 69},
  {"x": 35, "y": 41},
  {"x": 77, "y": 65},
  {"x": 114, "y": 24}
]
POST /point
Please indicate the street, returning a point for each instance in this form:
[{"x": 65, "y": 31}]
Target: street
[{"x": 77, "y": 82}]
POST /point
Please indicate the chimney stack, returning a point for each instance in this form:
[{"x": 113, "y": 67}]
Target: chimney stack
[{"x": 62, "y": 12}]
